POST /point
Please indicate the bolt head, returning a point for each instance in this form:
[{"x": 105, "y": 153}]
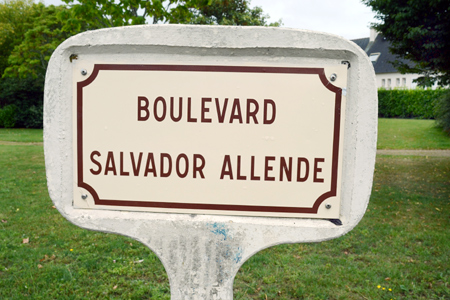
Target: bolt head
[
  {"x": 333, "y": 77},
  {"x": 83, "y": 72}
]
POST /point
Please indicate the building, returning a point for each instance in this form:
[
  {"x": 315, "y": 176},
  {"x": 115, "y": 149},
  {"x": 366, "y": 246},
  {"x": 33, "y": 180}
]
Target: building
[{"x": 377, "y": 48}]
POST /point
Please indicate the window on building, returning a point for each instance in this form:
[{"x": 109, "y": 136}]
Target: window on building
[
  {"x": 397, "y": 82},
  {"x": 374, "y": 56},
  {"x": 403, "y": 81},
  {"x": 383, "y": 82},
  {"x": 389, "y": 83}
]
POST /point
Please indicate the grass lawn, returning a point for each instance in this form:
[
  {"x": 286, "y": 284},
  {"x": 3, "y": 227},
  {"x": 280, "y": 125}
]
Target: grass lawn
[
  {"x": 411, "y": 134},
  {"x": 43, "y": 256},
  {"x": 400, "y": 250},
  {"x": 21, "y": 135}
]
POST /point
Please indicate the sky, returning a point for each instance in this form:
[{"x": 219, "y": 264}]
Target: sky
[{"x": 347, "y": 18}]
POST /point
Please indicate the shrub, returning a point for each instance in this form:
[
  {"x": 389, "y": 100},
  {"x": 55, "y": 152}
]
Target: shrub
[
  {"x": 442, "y": 111},
  {"x": 27, "y": 95},
  {"x": 418, "y": 103},
  {"x": 8, "y": 116},
  {"x": 32, "y": 117}
]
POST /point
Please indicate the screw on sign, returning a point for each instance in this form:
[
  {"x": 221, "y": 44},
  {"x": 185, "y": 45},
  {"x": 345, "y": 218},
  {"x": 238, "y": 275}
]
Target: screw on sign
[{"x": 221, "y": 149}]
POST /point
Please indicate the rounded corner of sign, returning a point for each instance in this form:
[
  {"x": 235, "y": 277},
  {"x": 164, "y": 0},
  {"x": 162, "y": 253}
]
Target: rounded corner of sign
[
  {"x": 90, "y": 75},
  {"x": 85, "y": 196},
  {"x": 328, "y": 209},
  {"x": 62, "y": 54}
]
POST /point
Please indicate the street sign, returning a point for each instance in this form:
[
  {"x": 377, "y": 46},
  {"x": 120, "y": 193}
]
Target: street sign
[
  {"x": 210, "y": 143},
  {"x": 233, "y": 140}
]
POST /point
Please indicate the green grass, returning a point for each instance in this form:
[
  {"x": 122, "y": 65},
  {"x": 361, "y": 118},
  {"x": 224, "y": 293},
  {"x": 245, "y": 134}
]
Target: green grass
[
  {"x": 21, "y": 135},
  {"x": 411, "y": 134},
  {"x": 401, "y": 244},
  {"x": 62, "y": 261}
]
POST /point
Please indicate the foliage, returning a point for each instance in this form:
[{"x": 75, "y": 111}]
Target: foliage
[
  {"x": 51, "y": 25},
  {"x": 418, "y": 31},
  {"x": 26, "y": 94},
  {"x": 30, "y": 32},
  {"x": 109, "y": 13},
  {"x": 442, "y": 111},
  {"x": 15, "y": 19},
  {"x": 23, "y": 79},
  {"x": 230, "y": 12},
  {"x": 8, "y": 116},
  {"x": 399, "y": 103},
  {"x": 47, "y": 26},
  {"x": 411, "y": 134}
]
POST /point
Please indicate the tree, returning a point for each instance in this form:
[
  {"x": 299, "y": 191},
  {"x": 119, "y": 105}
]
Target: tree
[
  {"x": 25, "y": 62},
  {"x": 20, "y": 99},
  {"x": 230, "y": 12},
  {"x": 418, "y": 31},
  {"x": 50, "y": 26},
  {"x": 15, "y": 19},
  {"x": 110, "y": 13},
  {"x": 30, "y": 32}
]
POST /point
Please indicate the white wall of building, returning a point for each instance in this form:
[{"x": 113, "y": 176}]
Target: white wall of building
[{"x": 396, "y": 80}]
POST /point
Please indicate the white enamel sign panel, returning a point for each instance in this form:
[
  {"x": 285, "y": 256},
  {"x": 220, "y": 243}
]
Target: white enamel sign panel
[{"x": 231, "y": 140}]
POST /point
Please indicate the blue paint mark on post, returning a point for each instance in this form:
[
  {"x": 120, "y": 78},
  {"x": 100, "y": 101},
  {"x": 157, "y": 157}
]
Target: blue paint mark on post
[
  {"x": 238, "y": 255},
  {"x": 219, "y": 229}
]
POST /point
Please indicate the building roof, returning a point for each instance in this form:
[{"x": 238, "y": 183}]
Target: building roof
[
  {"x": 381, "y": 57},
  {"x": 362, "y": 42}
]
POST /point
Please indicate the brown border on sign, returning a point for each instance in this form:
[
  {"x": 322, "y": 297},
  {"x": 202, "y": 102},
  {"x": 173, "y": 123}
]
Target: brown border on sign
[{"x": 198, "y": 68}]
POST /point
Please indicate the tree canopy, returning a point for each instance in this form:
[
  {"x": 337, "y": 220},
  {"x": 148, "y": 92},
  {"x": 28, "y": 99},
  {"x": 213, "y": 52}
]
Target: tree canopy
[
  {"x": 230, "y": 12},
  {"x": 48, "y": 29},
  {"x": 32, "y": 31},
  {"x": 418, "y": 31},
  {"x": 15, "y": 19},
  {"x": 110, "y": 13}
]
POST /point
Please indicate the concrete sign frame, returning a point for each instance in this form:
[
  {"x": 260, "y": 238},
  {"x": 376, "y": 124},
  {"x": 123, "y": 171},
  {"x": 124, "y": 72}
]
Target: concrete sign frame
[{"x": 202, "y": 252}]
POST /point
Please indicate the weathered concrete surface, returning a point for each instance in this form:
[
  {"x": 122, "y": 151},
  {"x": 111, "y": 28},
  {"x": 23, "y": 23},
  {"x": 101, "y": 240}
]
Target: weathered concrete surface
[{"x": 202, "y": 253}]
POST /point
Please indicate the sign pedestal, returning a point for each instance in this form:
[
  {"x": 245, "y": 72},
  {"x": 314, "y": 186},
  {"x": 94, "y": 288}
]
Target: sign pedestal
[
  {"x": 202, "y": 254},
  {"x": 201, "y": 266}
]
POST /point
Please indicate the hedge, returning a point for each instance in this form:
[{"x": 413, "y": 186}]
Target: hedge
[
  {"x": 8, "y": 116},
  {"x": 21, "y": 102},
  {"x": 442, "y": 110},
  {"x": 418, "y": 103}
]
